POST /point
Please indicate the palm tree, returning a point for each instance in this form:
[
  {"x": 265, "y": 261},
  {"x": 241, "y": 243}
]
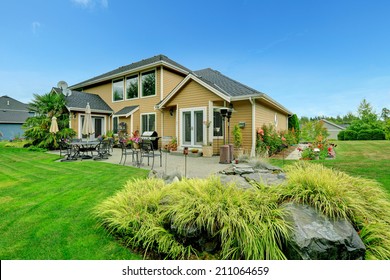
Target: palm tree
[{"x": 37, "y": 128}]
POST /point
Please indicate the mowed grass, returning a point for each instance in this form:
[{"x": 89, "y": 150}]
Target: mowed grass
[
  {"x": 367, "y": 159},
  {"x": 46, "y": 207}
]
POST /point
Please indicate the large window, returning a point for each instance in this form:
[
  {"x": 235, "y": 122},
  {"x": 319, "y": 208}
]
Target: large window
[
  {"x": 148, "y": 85},
  {"x": 218, "y": 123},
  {"x": 148, "y": 122},
  {"x": 117, "y": 90},
  {"x": 132, "y": 87}
]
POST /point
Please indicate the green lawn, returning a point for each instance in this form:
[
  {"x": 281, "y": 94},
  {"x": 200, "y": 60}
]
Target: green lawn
[
  {"x": 369, "y": 159},
  {"x": 45, "y": 206}
]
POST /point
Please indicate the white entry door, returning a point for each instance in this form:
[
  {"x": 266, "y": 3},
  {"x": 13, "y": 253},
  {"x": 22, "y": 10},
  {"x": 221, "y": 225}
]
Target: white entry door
[{"x": 193, "y": 130}]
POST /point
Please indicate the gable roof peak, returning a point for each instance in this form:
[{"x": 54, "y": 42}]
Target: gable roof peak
[{"x": 133, "y": 67}]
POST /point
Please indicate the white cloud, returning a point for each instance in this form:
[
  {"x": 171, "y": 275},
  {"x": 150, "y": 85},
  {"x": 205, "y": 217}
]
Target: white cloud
[
  {"x": 83, "y": 3},
  {"x": 35, "y": 26},
  {"x": 89, "y": 4}
]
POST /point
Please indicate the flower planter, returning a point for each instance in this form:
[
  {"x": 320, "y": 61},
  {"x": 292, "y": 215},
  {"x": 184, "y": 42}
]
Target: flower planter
[{"x": 207, "y": 151}]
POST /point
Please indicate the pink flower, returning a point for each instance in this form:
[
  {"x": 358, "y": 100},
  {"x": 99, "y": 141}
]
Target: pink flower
[
  {"x": 260, "y": 131},
  {"x": 283, "y": 139}
]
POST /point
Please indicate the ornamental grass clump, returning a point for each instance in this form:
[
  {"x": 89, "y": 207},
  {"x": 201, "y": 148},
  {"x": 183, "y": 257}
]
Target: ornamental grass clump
[
  {"x": 338, "y": 195},
  {"x": 133, "y": 215},
  {"x": 197, "y": 218}
]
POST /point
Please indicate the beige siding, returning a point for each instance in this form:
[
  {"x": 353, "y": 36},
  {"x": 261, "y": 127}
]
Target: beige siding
[
  {"x": 193, "y": 95},
  {"x": 171, "y": 80},
  {"x": 242, "y": 113},
  {"x": 266, "y": 115},
  {"x": 190, "y": 96}
]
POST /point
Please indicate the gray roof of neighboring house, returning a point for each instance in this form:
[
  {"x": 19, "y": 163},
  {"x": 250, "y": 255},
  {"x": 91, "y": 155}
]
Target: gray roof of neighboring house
[
  {"x": 128, "y": 68},
  {"x": 9, "y": 103},
  {"x": 78, "y": 100},
  {"x": 333, "y": 124},
  {"x": 13, "y": 111},
  {"x": 126, "y": 110},
  {"x": 225, "y": 84},
  {"x": 14, "y": 116}
]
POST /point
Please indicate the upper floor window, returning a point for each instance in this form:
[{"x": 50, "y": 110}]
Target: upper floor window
[
  {"x": 148, "y": 86},
  {"x": 117, "y": 90},
  {"x": 132, "y": 87}
]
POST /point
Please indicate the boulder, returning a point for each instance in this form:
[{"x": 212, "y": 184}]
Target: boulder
[{"x": 316, "y": 237}]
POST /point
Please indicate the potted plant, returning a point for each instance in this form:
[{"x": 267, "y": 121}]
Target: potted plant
[
  {"x": 135, "y": 139},
  {"x": 237, "y": 140},
  {"x": 207, "y": 149}
]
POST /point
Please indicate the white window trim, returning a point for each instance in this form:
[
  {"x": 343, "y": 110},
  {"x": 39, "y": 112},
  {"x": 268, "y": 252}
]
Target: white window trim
[
  {"x": 125, "y": 88},
  {"x": 80, "y": 135},
  {"x": 223, "y": 128},
  {"x": 204, "y": 109},
  {"x": 155, "y": 83},
  {"x": 155, "y": 120}
]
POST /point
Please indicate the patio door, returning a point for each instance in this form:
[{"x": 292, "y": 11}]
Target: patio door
[
  {"x": 192, "y": 127},
  {"x": 97, "y": 124}
]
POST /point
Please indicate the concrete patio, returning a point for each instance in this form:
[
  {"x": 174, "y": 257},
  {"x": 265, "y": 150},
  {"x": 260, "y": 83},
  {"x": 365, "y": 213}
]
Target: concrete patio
[{"x": 192, "y": 167}]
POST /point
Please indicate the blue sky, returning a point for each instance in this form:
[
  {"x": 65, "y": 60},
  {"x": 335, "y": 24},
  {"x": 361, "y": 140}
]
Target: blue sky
[{"x": 314, "y": 57}]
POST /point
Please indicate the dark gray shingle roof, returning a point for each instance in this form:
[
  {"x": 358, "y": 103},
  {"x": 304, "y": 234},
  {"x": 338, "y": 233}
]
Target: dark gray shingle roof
[
  {"x": 78, "y": 100},
  {"x": 130, "y": 67},
  {"x": 126, "y": 110},
  {"x": 14, "y": 116},
  {"x": 9, "y": 103},
  {"x": 13, "y": 111},
  {"x": 225, "y": 84}
]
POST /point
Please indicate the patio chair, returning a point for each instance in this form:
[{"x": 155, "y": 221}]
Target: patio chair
[
  {"x": 65, "y": 148},
  {"x": 102, "y": 150},
  {"x": 127, "y": 150},
  {"x": 147, "y": 151}
]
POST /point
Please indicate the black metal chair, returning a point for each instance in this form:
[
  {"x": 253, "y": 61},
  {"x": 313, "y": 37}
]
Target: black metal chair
[
  {"x": 127, "y": 150},
  {"x": 103, "y": 149},
  {"x": 147, "y": 151},
  {"x": 65, "y": 148}
]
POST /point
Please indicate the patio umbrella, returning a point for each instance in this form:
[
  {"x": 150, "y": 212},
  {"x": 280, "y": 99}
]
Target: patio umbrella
[
  {"x": 87, "y": 126},
  {"x": 54, "y": 125}
]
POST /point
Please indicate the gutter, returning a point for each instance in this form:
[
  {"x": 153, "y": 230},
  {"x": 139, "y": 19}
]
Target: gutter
[{"x": 252, "y": 100}]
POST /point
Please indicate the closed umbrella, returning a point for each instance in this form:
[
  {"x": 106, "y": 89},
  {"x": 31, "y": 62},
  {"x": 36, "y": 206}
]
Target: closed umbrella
[
  {"x": 87, "y": 126},
  {"x": 54, "y": 125}
]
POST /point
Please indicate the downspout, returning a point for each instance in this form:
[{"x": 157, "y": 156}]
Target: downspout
[{"x": 252, "y": 100}]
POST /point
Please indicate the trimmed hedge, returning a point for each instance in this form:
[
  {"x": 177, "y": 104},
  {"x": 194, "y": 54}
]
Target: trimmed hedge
[{"x": 366, "y": 134}]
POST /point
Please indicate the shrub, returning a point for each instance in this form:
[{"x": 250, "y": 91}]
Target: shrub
[
  {"x": 179, "y": 220},
  {"x": 378, "y": 134},
  {"x": 339, "y": 195},
  {"x": 364, "y": 135},
  {"x": 350, "y": 135},
  {"x": 341, "y": 135}
]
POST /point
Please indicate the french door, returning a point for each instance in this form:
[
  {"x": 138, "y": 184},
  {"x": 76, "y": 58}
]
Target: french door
[{"x": 193, "y": 130}]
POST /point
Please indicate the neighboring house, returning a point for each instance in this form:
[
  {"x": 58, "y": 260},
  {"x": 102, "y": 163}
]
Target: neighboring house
[
  {"x": 333, "y": 129},
  {"x": 158, "y": 94},
  {"x": 13, "y": 115}
]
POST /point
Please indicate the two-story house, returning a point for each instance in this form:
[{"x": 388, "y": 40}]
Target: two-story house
[{"x": 159, "y": 94}]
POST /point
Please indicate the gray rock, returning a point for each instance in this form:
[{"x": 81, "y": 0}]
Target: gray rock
[
  {"x": 316, "y": 237},
  {"x": 266, "y": 178},
  {"x": 175, "y": 179},
  {"x": 243, "y": 170},
  {"x": 238, "y": 180}
]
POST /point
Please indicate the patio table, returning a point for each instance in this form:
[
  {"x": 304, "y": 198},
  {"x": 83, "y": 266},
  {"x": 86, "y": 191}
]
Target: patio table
[{"x": 82, "y": 147}]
